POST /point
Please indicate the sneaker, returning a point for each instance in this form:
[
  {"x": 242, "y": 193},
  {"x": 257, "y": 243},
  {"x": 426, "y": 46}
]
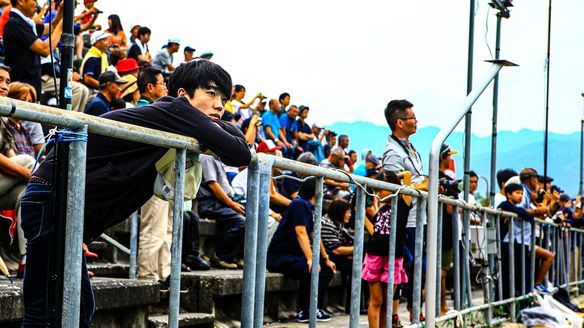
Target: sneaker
[
  {"x": 239, "y": 263},
  {"x": 196, "y": 263},
  {"x": 422, "y": 318},
  {"x": 395, "y": 323},
  {"x": 165, "y": 286},
  {"x": 542, "y": 289},
  {"x": 219, "y": 263},
  {"x": 322, "y": 316},
  {"x": 302, "y": 316}
]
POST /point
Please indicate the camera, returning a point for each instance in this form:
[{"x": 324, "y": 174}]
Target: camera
[
  {"x": 259, "y": 122},
  {"x": 449, "y": 184}
]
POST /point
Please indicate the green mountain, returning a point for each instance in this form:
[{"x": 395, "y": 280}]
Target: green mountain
[{"x": 515, "y": 150}]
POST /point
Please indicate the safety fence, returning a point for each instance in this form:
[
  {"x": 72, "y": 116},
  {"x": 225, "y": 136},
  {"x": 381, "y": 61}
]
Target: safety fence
[{"x": 494, "y": 251}]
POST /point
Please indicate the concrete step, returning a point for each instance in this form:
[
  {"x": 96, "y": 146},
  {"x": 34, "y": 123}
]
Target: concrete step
[
  {"x": 190, "y": 320},
  {"x": 106, "y": 269},
  {"x": 98, "y": 246}
]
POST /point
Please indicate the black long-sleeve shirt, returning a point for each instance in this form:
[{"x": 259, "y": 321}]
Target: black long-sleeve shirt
[{"x": 120, "y": 173}]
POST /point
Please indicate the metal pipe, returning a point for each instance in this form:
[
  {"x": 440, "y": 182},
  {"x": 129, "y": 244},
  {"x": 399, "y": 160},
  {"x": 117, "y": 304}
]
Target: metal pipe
[
  {"x": 265, "y": 168},
  {"x": 467, "y": 288},
  {"x": 357, "y": 258},
  {"x": 512, "y": 266},
  {"x": 134, "y": 235},
  {"x": 522, "y": 257},
  {"x": 418, "y": 262},
  {"x": 532, "y": 258},
  {"x": 495, "y": 118},
  {"x": 433, "y": 188},
  {"x": 176, "y": 247},
  {"x": 316, "y": 254},
  {"x": 547, "y": 93},
  {"x": 115, "y": 243},
  {"x": 499, "y": 254},
  {"x": 250, "y": 250},
  {"x": 391, "y": 261},
  {"x": 74, "y": 233},
  {"x": 439, "y": 258},
  {"x": 456, "y": 252},
  {"x": 67, "y": 54},
  {"x": 488, "y": 270}
]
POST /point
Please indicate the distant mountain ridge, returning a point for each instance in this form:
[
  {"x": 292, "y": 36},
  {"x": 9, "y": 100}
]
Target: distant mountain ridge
[{"x": 514, "y": 150}]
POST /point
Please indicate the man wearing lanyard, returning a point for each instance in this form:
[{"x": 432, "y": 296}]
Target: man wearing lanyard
[
  {"x": 109, "y": 88},
  {"x": 400, "y": 155}
]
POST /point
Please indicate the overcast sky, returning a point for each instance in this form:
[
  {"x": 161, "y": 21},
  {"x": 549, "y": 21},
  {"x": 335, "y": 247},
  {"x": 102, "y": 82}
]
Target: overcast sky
[{"x": 347, "y": 59}]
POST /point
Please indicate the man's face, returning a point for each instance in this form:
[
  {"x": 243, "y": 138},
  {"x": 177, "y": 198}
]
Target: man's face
[
  {"x": 89, "y": 5},
  {"x": 286, "y": 101},
  {"x": 159, "y": 89},
  {"x": 102, "y": 45},
  {"x": 173, "y": 48},
  {"x": 293, "y": 113},
  {"x": 473, "y": 184},
  {"x": 113, "y": 89},
  {"x": 188, "y": 56},
  {"x": 516, "y": 197},
  {"x": 275, "y": 107},
  {"x": 533, "y": 183},
  {"x": 28, "y": 7},
  {"x": 304, "y": 114},
  {"x": 407, "y": 124},
  {"x": 445, "y": 160},
  {"x": 209, "y": 101},
  {"x": 4, "y": 82},
  {"x": 354, "y": 158},
  {"x": 333, "y": 140},
  {"x": 344, "y": 143},
  {"x": 316, "y": 131},
  {"x": 145, "y": 38}
]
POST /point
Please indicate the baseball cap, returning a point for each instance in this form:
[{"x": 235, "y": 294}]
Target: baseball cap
[
  {"x": 129, "y": 87},
  {"x": 558, "y": 189},
  {"x": 188, "y": 48},
  {"x": 174, "y": 40},
  {"x": 317, "y": 125},
  {"x": 302, "y": 107},
  {"x": 206, "y": 54},
  {"x": 86, "y": 1},
  {"x": 267, "y": 146},
  {"x": 446, "y": 150},
  {"x": 127, "y": 65},
  {"x": 564, "y": 198},
  {"x": 99, "y": 35},
  {"x": 109, "y": 76},
  {"x": 374, "y": 160},
  {"x": 514, "y": 180}
]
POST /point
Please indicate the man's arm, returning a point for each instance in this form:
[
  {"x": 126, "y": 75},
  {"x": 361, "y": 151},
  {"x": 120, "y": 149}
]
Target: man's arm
[
  {"x": 223, "y": 198},
  {"x": 12, "y": 168},
  {"x": 276, "y": 198},
  {"x": 43, "y": 48},
  {"x": 90, "y": 81},
  {"x": 304, "y": 243}
]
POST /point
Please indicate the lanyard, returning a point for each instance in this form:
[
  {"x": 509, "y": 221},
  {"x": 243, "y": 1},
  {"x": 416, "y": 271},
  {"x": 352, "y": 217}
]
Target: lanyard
[{"x": 408, "y": 152}]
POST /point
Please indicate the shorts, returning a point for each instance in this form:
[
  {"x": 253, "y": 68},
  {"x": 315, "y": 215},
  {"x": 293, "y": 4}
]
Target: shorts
[
  {"x": 447, "y": 258},
  {"x": 375, "y": 268}
]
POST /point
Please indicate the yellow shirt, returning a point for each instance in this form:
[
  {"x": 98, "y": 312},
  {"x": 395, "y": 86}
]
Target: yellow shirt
[{"x": 229, "y": 107}]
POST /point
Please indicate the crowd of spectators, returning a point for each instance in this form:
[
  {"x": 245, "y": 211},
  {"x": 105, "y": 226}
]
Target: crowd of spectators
[{"x": 115, "y": 71}]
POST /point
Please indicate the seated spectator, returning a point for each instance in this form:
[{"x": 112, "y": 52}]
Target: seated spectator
[
  {"x": 128, "y": 66},
  {"x": 215, "y": 202},
  {"x": 28, "y": 136},
  {"x": 118, "y": 38},
  {"x": 335, "y": 161},
  {"x": 331, "y": 140},
  {"x": 353, "y": 157},
  {"x": 114, "y": 58},
  {"x": 273, "y": 127},
  {"x": 315, "y": 145},
  {"x": 134, "y": 33},
  {"x": 188, "y": 53},
  {"x": 151, "y": 86},
  {"x": 284, "y": 101},
  {"x": 304, "y": 131},
  {"x": 139, "y": 50},
  {"x": 371, "y": 162},
  {"x": 290, "y": 252},
  {"x": 109, "y": 88},
  {"x": 130, "y": 93},
  {"x": 253, "y": 131},
  {"x": 245, "y": 109},
  {"x": 288, "y": 131},
  {"x": 164, "y": 58},
  {"x": 85, "y": 21},
  {"x": 344, "y": 144},
  {"x": 289, "y": 187},
  {"x": 23, "y": 46},
  {"x": 95, "y": 61}
]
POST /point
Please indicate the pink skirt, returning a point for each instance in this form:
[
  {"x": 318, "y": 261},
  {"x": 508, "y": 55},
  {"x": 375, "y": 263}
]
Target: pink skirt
[{"x": 375, "y": 268}]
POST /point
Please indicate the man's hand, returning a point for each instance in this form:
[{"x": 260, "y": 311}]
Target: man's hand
[
  {"x": 331, "y": 265},
  {"x": 237, "y": 207},
  {"x": 309, "y": 262}
]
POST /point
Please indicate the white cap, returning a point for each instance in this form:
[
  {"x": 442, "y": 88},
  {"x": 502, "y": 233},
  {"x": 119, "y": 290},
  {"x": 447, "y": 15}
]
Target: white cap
[
  {"x": 99, "y": 35},
  {"x": 177, "y": 41},
  {"x": 514, "y": 179}
]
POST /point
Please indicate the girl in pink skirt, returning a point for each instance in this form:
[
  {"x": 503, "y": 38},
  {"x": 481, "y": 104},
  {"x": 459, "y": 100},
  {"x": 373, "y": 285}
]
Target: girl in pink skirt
[{"x": 375, "y": 265}]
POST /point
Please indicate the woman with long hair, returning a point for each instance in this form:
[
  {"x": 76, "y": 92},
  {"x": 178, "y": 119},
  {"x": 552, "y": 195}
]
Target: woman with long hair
[
  {"x": 28, "y": 136},
  {"x": 118, "y": 39}
]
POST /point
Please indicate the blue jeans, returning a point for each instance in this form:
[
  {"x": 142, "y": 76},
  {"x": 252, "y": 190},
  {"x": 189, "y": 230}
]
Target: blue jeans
[{"x": 38, "y": 220}]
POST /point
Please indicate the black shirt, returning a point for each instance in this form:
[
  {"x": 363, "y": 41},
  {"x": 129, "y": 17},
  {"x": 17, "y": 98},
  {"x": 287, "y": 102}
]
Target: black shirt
[
  {"x": 379, "y": 243},
  {"x": 120, "y": 174},
  {"x": 447, "y": 226},
  {"x": 25, "y": 63},
  {"x": 299, "y": 213},
  {"x": 98, "y": 106}
]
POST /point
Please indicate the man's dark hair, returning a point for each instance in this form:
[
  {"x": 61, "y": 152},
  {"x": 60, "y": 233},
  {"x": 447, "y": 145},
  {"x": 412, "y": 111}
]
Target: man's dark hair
[
  {"x": 396, "y": 109},
  {"x": 283, "y": 95},
  {"x": 341, "y": 138},
  {"x": 510, "y": 188},
  {"x": 504, "y": 175},
  {"x": 271, "y": 102},
  {"x": 542, "y": 179},
  {"x": 337, "y": 210},
  {"x": 307, "y": 189},
  {"x": 147, "y": 76},
  {"x": 472, "y": 174},
  {"x": 351, "y": 152},
  {"x": 238, "y": 87},
  {"x": 199, "y": 74},
  {"x": 143, "y": 31},
  {"x": 527, "y": 173},
  {"x": 13, "y": 3},
  {"x": 115, "y": 56},
  {"x": 388, "y": 176}
]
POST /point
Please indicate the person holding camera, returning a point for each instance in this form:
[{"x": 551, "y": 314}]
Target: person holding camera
[{"x": 245, "y": 109}]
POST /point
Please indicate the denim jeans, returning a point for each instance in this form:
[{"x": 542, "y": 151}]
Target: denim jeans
[{"x": 38, "y": 219}]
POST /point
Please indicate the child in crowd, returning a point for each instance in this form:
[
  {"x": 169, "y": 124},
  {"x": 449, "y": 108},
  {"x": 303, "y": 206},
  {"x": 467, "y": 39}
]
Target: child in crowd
[
  {"x": 375, "y": 264},
  {"x": 514, "y": 194}
]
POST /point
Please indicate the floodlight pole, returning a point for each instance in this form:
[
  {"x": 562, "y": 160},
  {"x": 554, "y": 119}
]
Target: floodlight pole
[
  {"x": 581, "y": 150},
  {"x": 547, "y": 95},
  {"x": 493, "y": 180}
]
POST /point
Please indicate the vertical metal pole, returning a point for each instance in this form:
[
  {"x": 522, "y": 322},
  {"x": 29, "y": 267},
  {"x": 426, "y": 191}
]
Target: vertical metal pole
[
  {"x": 512, "y": 266},
  {"x": 418, "y": 261},
  {"x": 488, "y": 286},
  {"x": 532, "y": 257},
  {"x": 176, "y": 247},
  {"x": 439, "y": 257},
  {"x": 547, "y": 92},
  {"x": 265, "y": 168},
  {"x": 566, "y": 243},
  {"x": 499, "y": 260},
  {"x": 548, "y": 245},
  {"x": 467, "y": 290},
  {"x": 357, "y": 258},
  {"x": 74, "y": 233},
  {"x": 134, "y": 235},
  {"x": 316, "y": 253},
  {"x": 522, "y": 257},
  {"x": 456, "y": 245},
  {"x": 493, "y": 180},
  {"x": 250, "y": 250},
  {"x": 581, "y": 153},
  {"x": 391, "y": 261}
]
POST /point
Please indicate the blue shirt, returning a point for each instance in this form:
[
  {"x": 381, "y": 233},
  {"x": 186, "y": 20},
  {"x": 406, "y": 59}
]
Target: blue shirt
[
  {"x": 290, "y": 125},
  {"x": 98, "y": 106},
  {"x": 360, "y": 170},
  {"x": 518, "y": 227},
  {"x": 271, "y": 119}
]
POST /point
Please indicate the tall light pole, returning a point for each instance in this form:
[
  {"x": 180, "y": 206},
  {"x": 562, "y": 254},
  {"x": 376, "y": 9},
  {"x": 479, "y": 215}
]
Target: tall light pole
[
  {"x": 581, "y": 149},
  {"x": 547, "y": 93}
]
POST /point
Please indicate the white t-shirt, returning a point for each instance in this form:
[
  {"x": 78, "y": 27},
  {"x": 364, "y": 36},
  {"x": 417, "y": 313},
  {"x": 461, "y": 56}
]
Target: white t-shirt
[
  {"x": 499, "y": 199},
  {"x": 239, "y": 183},
  {"x": 471, "y": 200}
]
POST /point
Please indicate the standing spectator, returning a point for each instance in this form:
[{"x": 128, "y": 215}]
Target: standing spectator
[
  {"x": 502, "y": 177},
  {"x": 164, "y": 58},
  {"x": 400, "y": 155},
  {"x": 290, "y": 252},
  {"x": 151, "y": 86},
  {"x": 371, "y": 162},
  {"x": 23, "y": 46},
  {"x": 139, "y": 50},
  {"x": 331, "y": 141},
  {"x": 188, "y": 52},
  {"x": 118, "y": 38},
  {"x": 95, "y": 61},
  {"x": 215, "y": 202},
  {"x": 28, "y": 136},
  {"x": 284, "y": 101},
  {"x": 109, "y": 88}
]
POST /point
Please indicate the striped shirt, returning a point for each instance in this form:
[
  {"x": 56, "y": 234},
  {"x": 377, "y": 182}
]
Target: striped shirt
[{"x": 333, "y": 235}]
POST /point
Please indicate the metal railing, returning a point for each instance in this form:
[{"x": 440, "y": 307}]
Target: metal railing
[{"x": 80, "y": 122}]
